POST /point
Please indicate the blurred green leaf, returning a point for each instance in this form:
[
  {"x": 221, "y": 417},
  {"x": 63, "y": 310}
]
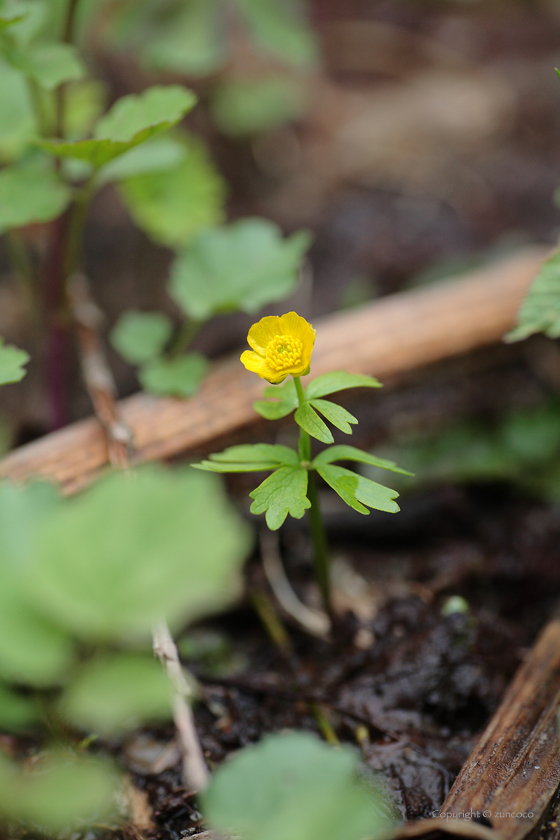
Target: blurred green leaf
[
  {"x": 170, "y": 546},
  {"x": 12, "y": 359},
  {"x": 189, "y": 40},
  {"x": 50, "y": 64},
  {"x": 62, "y": 792},
  {"x": 17, "y": 126},
  {"x": 85, "y": 102},
  {"x": 32, "y": 649},
  {"x": 338, "y": 380},
  {"x": 141, "y": 336},
  {"x": 281, "y": 28},
  {"x": 253, "y": 106},
  {"x": 350, "y": 453},
  {"x": 30, "y": 192},
  {"x": 115, "y": 693},
  {"x": 158, "y": 155},
  {"x": 132, "y": 120},
  {"x": 6, "y": 22},
  {"x": 282, "y": 493},
  {"x": 335, "y": 414},
  {"x": 242, "y": 266},
  {"x": 540, "y": 310},
  {"x": 294, "y": 787},
  {"x": 32, "y": 16},
  {"x": 309, "y": 420},
  {"x": 174, "y": 205},
  {"x": 180, "y": 376},
  {"x": 355, "y": 489},
  {"x": 16, "y": 711}
]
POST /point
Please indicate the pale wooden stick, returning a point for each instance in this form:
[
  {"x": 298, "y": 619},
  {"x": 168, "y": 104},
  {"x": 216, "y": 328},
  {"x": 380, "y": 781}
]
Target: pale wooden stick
[{"x": 195, "y": 772}]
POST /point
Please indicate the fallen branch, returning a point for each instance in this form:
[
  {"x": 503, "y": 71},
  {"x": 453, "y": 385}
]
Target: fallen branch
[{"x": 386, "y": 338}]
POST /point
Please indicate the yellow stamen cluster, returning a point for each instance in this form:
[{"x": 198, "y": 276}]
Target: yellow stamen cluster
[{"x": 283, "y": 352}]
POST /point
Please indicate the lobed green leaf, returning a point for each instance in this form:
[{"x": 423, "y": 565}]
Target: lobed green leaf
[
  {"x": 30, "y": 192},
  {"x": 286, "y": 400},
  {"x": 174, "y": 204},
  {"x": 256, "y": 457},
  {"x": 540, "y": 310},
  {"x": 294, "y": 787},
  {"x": 355, "y": 489},
  {"x": 132, "y": 120},
  {"x": 51, "y": 64},
  {"x": 339, "y": 380},
  {"x": 141, "y": 336},
  {"x": 282, "y": 493},
  {"x": 335, "y": 414},
  {"x": 170, "y": 546},
  {"x": 309, "y": 420},
  {"x": 180, "y": 376},
  {"x": 117, "y": 692},
  {"x": 241, "y": 266},
  {"x": 350, "y": 453},
  {"x": 12, "y": 360}
]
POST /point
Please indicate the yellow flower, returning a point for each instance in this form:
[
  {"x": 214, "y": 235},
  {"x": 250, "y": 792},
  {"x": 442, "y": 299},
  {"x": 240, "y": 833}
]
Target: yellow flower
[{"x": 282, "y": 345}]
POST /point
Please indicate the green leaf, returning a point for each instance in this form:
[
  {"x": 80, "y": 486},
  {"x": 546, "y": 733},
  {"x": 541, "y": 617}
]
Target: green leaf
[
  {"x": 16, "y": 710},
  {"x": 335, "y": 414},
  {"x": 353, "y": 489},
  {"x": 119, "y": 692},
  {"x": 339, "y": 380},
  {"x": 256, "y": 457},
  {"x": 242, "y": 266},
  {"x": 286, "y": 400},
  {"x": 158, "y": 155},
  {"x": 253, "y": 106},
  {"x": 540, "y": 310},
  {"x": 32, "y": 649},
  {"x": 18, "y": 125},
  {"x": 51, "y": 64},
  {"x": 282, "y": 493},
  {"x": 30, "y": 192},
  {"x": 66, "y": 792},
  {"x": 132, "y": 120},
  {"x": 350, "y": 453},
  {"x": 12, "y": 361},
  {"x": 189, "y": 41},
  {"x": 180, "y": 376},
  {"x": 281, "y": 29},
  {"x": 6, "y": 22},
  {"x": 309, "y": 420},
  {"x": 294, "y": 787},
  {"x": 84, "y": 103},
  {"x": 255, "y": 452},
  {"x": 174, "y": 205},
  {"x": 140, "y": 336},
  {"x": 170, "y": 546}
]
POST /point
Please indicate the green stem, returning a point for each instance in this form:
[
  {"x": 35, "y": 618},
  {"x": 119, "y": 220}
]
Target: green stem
[
  {"x": 316, "y": 525},
  {"x": 67, "y": 36},
  {"x": 38, "y": 104},
  {"x": 23, "y": 269},
  {"x": 185, "y": 336},
  {"x": 76, "y": 222}
]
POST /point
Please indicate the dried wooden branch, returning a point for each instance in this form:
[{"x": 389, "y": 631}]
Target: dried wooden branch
[
  {"x": 386, "y": 338},
  {"x": 514, "y": 770}
]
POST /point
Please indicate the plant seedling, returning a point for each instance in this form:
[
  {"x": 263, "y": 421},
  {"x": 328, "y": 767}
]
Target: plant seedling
[{"x": 281, "y": 348}]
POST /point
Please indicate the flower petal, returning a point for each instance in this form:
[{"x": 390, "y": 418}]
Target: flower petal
[
  {"x": 264, "y": 331},
  {"x": 293, "y": 324}
]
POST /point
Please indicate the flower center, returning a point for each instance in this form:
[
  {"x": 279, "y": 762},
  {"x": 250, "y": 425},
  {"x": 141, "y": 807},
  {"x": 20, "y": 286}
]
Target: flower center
[{"x": 283, "y": 352}]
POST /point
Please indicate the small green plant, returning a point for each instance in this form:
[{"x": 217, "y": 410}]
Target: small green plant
[
  {"x": 12, "y": 361},
  {"x": 282, "y": 347}
]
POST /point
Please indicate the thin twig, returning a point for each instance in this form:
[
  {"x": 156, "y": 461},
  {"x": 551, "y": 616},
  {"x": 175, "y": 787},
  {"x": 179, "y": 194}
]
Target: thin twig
[
  {"x": 195, "y": 772},
  {"x": 314, "y": 622},
  {"x": 97, "y": 374}
]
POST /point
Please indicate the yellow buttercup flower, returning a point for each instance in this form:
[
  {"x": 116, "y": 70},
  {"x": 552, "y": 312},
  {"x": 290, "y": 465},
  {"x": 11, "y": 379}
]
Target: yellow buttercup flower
[{"x": 282, "y": 345}]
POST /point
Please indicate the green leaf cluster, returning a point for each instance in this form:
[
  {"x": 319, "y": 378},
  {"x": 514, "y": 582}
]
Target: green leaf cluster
[
  {"x": 285, "y": 490},
  {"x": 294, "y": 787},
  {"x": 78, "y": 603},
  {"x": 241, "y": 266}
]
